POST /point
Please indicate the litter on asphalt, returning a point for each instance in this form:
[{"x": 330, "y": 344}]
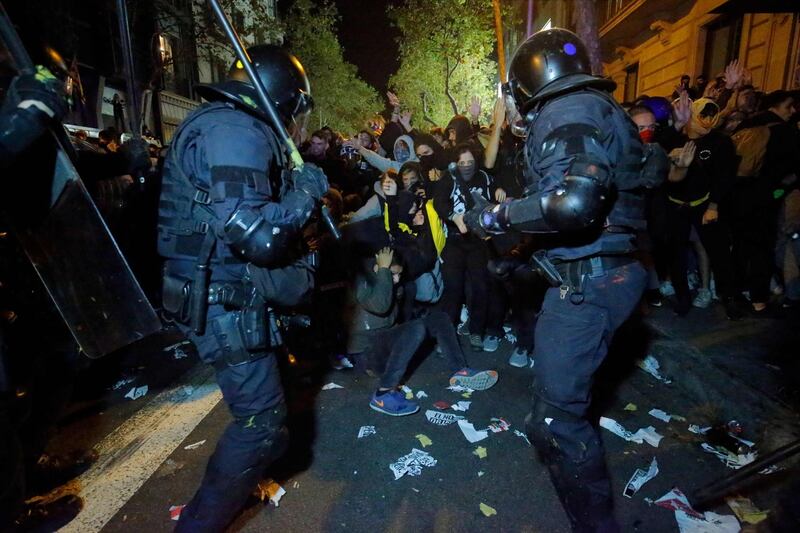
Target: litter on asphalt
[
  {"x": 270, "y": 489},
  {"x": 522, "y": 435},
  {"x": 470, "y": 433},
  {"x": 480, "y": 451},
  {"x": 461, "y": 406},
  {"x": 651, "y": 365},
  {"x": 175, "y": 512},
  {"x": 648, "y": 434},
  {"x": 195, "y": 445},
  {"x": 459, "y": 388},
  {"x": 331, "y": 386},
  {"x": 745, "y": 510},
  {"x": 136, "y": 392},
  {"x": 487, "y": 510},
  {"x": 731, "y": 459},
  {"x": 691, "y": 521},
  {"x": 408, "y": 392},
  {"x": 424, "y": 440},
  {"x": 498, "y": 425},
  {"x": 630, "y": 407},
  {"x": 366, "y": 431},
  {"x": 421, "y": 394},
  {"x": 412, "y": 463},
  {"x": 441, "y": 419},
  {"x": 441, "y": 404},
  {"x": 639, "y": 478}
]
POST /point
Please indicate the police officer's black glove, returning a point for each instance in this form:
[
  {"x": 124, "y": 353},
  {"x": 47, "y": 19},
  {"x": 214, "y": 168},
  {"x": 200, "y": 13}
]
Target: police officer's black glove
[
  {"x": 41, "y": 92},
  {"x": 312, "y": 180},
  {"x": 473, "y": 217}
]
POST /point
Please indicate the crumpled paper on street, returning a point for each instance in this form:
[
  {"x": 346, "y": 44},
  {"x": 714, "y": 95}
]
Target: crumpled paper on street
[
  {"x": 331, "y": 386},
  {"x": 498, "y": 425},
  {"x": 522, "y": 435},
  {"x": 412, "y": 463},
  {"x": 424, "y": 440},
  {"x": 651, "y": 365},
  {"x": 408, "y": 392},
  {"x": 366, "y": 431},
  {"x": 269, "y": 488},
  {"x": 441, "y": 419},
  {"x": 746, "y": 511},
  {"x": 470, "y": 433},
  {"x": 480, "y": 451},
  {"x": 691, "y": 521},
  {"x": 639, "y": 478},
  {"x": 459, "y": 388},
  {"x": 175, "y": 512},
  {"x": 461, "y": 406},
  {"x": 137, "y": 392},
  {"x": 195, "y": 445},
  {"x": 730, "y": 459},
  {"x": 487, "y": 510},
  {"x": 421, "y": 394},
  {"x": 648, "y": 434}
]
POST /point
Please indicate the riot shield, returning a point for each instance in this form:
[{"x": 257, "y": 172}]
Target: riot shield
[{"x": 50, "y": 212}]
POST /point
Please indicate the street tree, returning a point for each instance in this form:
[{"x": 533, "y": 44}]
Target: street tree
[
  {"x": 446, "y": 56},
  {"x": 342, "y": 100}
]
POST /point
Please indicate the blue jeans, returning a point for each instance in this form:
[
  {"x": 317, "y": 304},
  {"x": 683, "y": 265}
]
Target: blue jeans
[
  {"x": 254, "y": 439},
  {"x": 572, "y": 341}
]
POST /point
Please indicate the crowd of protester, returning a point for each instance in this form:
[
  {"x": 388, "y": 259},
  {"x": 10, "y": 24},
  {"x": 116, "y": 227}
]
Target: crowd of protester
[{"x": 723, "y": 226}]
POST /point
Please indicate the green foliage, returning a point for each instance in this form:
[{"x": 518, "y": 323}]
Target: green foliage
[
  {"x": 342, "y": 100},
  {"x": 447, "y": 54}
]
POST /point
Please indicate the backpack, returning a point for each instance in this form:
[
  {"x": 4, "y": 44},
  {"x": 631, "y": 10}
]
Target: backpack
[
  {"x": 751, "y": 146},
  {"x": 430, "y": 285}
]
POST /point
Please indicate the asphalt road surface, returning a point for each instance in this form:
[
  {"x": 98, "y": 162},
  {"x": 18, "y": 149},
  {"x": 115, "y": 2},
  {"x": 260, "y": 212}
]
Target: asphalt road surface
[{"x": 335, "y": 481}]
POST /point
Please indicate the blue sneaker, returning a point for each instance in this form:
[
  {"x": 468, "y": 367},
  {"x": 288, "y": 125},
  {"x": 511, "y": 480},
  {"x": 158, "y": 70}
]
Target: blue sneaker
[
  {"x": 474, "y": 379},
  {"x": 393, "y": 403}
]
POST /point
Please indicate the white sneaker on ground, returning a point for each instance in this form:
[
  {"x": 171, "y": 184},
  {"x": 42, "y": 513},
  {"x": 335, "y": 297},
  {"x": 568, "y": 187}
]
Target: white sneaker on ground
[{"x": 702, "y": 299}]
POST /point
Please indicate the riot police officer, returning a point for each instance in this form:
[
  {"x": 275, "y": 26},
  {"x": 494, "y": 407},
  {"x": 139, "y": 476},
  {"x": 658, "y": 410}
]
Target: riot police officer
[
  {"x": 230, "y": 214},
  {"x": 585, "y": 159}
]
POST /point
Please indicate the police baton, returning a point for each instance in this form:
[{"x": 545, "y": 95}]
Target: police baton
[{"x": 266, "y": 103}]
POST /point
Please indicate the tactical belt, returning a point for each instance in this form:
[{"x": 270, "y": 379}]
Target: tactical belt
[
  {"x": 693, "y": 203},
  {"x": 569, "y": 276}
]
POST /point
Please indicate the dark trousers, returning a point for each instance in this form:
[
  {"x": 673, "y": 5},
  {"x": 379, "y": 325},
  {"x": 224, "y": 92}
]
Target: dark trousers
[
  {"x": 752, "y": 220},
  {"x": 572, "y": 341},
  {"x": 715, "y": 238},
  {"x": 392, "y": 349},
  {"x": 464, "y": 259},
  {"x": 254, "y": 439}
]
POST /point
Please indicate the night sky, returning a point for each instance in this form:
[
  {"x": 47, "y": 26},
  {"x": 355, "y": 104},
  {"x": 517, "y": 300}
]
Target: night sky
[{"x": 369, "y": 39}]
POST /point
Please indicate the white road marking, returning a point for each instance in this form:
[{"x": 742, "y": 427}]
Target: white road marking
[{"x": 133, "y": 451}]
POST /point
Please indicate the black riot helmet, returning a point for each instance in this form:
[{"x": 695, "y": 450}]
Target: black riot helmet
[
  {"x": 283, "y": 77},
  {"x": 550, "y": 62}
]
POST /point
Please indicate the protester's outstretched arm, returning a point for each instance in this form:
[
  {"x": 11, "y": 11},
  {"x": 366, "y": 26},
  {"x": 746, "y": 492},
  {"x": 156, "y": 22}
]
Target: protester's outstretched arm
[{"x": 492, "y": 148}]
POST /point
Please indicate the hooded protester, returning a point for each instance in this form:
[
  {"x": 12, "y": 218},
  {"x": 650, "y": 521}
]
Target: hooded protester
[
  {"x": 466, "y": 255},
  {"x": 403, "y": 151},
  {"x": 698, "y": 182},
  {"x": 433, "y": 160}
]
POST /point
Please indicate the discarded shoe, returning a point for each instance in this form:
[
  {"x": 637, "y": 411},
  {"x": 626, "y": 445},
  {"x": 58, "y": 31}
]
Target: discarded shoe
[
  {"x": 392, "y": 403},
  {"x": 474, "y": 379}
]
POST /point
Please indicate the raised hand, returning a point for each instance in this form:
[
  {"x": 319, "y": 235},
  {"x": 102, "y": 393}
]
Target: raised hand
[
  {"x": 474, "y": 108},
  {"x": 682, "y": 110},
  {"x": 405, "y": 119},
  {"x": 686, "y": 156},
  {"x": 384, "y": 257},
  {"x": 394, "y": 101}
]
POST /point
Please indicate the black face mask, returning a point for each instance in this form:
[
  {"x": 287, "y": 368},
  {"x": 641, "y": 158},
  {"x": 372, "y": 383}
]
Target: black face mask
[
  {"x": 467, "y": 171},
  {"x": 435, "y": 160}
]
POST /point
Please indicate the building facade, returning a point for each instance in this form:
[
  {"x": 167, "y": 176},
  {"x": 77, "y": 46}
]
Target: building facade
[{"x": 648, "y": 44}]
